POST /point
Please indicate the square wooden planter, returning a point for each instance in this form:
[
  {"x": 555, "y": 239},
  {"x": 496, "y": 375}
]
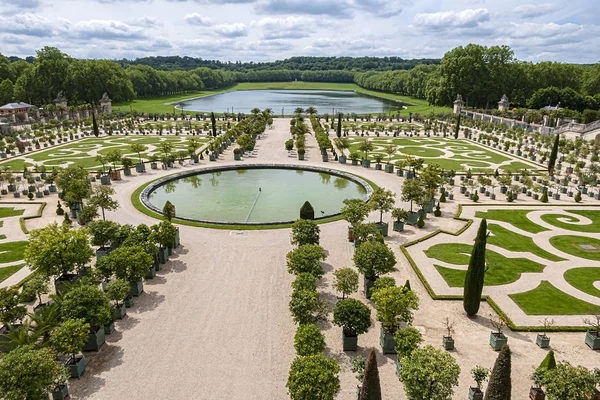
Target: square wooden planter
[
  {"x": 543, "y": 341},
  {"x": 592, "y": 340},
  {"x": 448, "y": 343},
  {"x": 76, "y": 369},
  {"x": 497, "y": 340}
]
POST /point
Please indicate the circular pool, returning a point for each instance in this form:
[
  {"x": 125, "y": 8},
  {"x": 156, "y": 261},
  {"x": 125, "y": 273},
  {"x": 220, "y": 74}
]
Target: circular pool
[{"x": 254, "y": 194}]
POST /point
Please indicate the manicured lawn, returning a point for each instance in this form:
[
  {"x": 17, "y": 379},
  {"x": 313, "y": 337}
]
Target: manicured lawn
[
  {"x": 6, "y": 212},
  {"x": 501, "y": 270},
  {"x": 12, "y": 251},
  {"x": 518, "y": 218},
  {"x": 571, "y": 244},
  {"x": 419, "y": 106},
  {"x": 448, "y": 153},
  {"x": 512, "y": 241},
  {"x": 593, "y": 215},
  {"x": 548, "y": 300},
  {"x": 583, "y": 279},
  {"x": 8, "y": 271},
  {"x": 79, "y": 152}
]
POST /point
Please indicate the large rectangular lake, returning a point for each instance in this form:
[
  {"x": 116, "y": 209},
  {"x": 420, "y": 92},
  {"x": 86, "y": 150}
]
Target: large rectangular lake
[{"x": 286, "y": 101}]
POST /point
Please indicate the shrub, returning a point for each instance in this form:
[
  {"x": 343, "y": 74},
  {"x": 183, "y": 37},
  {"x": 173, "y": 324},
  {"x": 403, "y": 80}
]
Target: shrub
[
  {"x": 420, "y": 222},
  {"x": 345, "y": 280},
  {"x": 407, "y": 340},
  {"x": 353, "y": 316},
  {"x": 509, "y": 197},
  {"x": 313, "y": 377},
  {"x": 371, "y": 388},
  {"x": 475, "y": 197},
  {"x": 306, "y": 258},
  {"x": 499, "y": 386},
  {"x": 306, "y": 307},
  {"x": 307, "y": 211},
  {"x": 394, "y": 304},
  {"x": 544, "y": 198},
  {"x": 437, "y": 212},
  {"x": 118, "y": 291},
  {"x": 380, "y": 283},
  {"x": 305, "y": 231},
  {"x": 70, "y": 337},
  {"x": 305, "y": 281},
  {"x": 443, "y": 197},
  {"x": 88, "y": 303},
  {"x": 308, "y": 340},
  {"x": 59, "y": 209},
  {"x": 373, "y": 258},
  {"x": 578, "y": 197},
  {"x": 10, "y": 310}
]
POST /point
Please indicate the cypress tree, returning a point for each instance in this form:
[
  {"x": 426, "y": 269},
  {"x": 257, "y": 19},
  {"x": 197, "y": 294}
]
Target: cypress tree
[
  {"x": 213, "y": 122},
  {"x": 476, "y": 272},
  {"x": 370, "y": 390},
  {"x": 339, "y": 126},
  {"x": 457, "y": 127},
  {"x": 553, "y": 155},
  {"x": 95, "y": 125},
  {"x": 307, "y": 211},
  {"x": 544, "y": 198},
  {"x": 499, "y": 386}
]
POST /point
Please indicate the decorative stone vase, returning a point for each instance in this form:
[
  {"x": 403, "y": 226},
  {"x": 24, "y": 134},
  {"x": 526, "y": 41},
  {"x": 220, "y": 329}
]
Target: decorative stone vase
[{"x": 497, "y": 340}]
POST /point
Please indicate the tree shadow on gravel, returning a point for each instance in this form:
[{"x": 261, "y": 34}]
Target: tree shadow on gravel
[
  {"x": 487, "y": 322},
  {"x": 126, "y": 323},
  {"x": 109, "y": 357},
  {"x": 327, "y": 267},
  {"x": 157, "y": 280},
  {"x": 148, "y": 301},
  {"x": 175, "y": 266}
]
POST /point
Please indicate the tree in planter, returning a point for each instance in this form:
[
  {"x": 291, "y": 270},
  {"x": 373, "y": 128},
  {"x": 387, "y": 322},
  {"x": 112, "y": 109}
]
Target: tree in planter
[
  {"x": 131, "y": 263},
  {"x": 305, "y": 281},
  {"x": 87, "y": 302},
  {"x": 499, "y": 387},
  {"x": 169, "y": 211},
  {"x": 73, "y": 181},
  {"x": 429, "y": 373},
  {"x": 104, "y": 233},
  {"x": 70, "y": 337},
  {"x": 57, "y": 250},
  {"x": 164, "y": 233},
  {"x": 313, "y": 377},
  {"x": 431, "y": 178},
  {"x": 479, "y": 375},
  {"x": 352, "y": 316},
  {"x": 28, "y": 373},
  {"x": 307, "y": 211},
  {"x": 394, "y": 304},
  {"x": 354, "y": 211},
  {"x": 371, "y": 388},
  {"x": 341, "y": 144},
  {"x": 412, "y": 191},
  {"x": 345, "y": 280},
  {"x": 306, "y": 307},
  {"x": 117, "y": 292},
  {"x": 10, "y": 310},
  {"x": 365, "y": 146},
  {"x": 373, "y": 258},
  {"x": 139, "y": 148},
  {"x": 383, "y": 201},
  {"x": 566, "y": 381},
  {"x": 474, "y": 278},
  {"x": 306, "y": 258},
  {"x": 305, "y": 231},
  {"x": 101, "y": 198},
  {"x": 37, "y": 285},
  {"x": 308, "y": 340},
  {"x": 407, "y": 341}
]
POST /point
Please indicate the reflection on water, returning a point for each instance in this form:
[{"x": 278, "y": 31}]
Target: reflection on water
[
  {"x": 325, "y": 101},
  {"x": 255, "y": 195}
]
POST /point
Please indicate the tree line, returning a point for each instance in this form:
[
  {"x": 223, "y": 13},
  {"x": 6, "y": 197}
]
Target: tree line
[{"x": 480, "y": 74}]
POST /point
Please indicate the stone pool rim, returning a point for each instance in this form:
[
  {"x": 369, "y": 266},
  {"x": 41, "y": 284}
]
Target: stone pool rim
[{"x": 145, "y": 194}]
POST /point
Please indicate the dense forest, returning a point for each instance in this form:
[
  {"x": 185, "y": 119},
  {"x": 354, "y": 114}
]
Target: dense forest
[
  {"x": 171, "y": 63},
  {"x": 480, "y": 74}
]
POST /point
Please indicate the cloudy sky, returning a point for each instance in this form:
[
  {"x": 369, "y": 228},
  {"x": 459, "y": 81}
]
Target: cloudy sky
[{"x": 266, "y": 30}]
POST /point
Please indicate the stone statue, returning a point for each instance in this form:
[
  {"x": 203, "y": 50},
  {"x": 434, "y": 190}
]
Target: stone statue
[
  {"x": 60, "y": 98},
  {"x": 105, "y": 98},
  {"x": 106, "y": 104},
  {"x": 503, "y": 104},
  {"x": 458, "y": 104}
]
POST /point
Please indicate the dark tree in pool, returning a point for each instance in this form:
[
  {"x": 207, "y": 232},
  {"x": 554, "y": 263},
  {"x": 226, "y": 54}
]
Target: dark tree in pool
[
  {"x": 213, "y": 121},
  {"x": 476, "y": 272},
  {"x": 339, "y": 126},
  {"x": 307, "y": 211},
  {"x": 553, "y": 155},
  {"x": 169, "y": 210}
]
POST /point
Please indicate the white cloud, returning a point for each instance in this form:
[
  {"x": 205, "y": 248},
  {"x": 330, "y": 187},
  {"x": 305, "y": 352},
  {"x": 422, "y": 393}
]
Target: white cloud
[
  {"x": 197, "y": 19},
  {"x": 452, "y": 19},
  {"x": 285, "y": 28},
  {"x": 535, "y": 10},
  {"x": 231, "y": 30},
  {"x": 32, "y": 25},
  {"x": 105, "y": 29}
]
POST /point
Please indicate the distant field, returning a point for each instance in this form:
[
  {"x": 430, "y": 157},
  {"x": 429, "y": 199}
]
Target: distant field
[{"x": 158, "y": 105}]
